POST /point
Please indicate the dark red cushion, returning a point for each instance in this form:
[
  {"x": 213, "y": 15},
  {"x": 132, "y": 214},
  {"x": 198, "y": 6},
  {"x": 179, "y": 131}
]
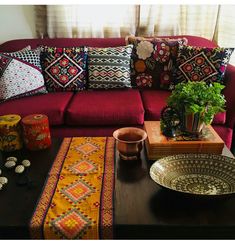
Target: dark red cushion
[
  {"x": 110, "y": 107},
  {"x": 51, "y": 104},
  {"x": 14, "y": 45},
  {"x": 155, "y": 100},
  {"x": 219, "y": 118}
]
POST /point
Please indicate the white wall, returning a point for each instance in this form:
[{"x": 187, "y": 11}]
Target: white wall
[{"x": 16, "y": 22}]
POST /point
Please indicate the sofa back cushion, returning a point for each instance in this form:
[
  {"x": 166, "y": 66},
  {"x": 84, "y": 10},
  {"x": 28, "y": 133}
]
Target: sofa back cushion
[{"x": 14, "y": 45}]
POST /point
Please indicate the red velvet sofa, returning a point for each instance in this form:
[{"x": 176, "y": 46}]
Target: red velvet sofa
[{"x": 99, "y": 113}]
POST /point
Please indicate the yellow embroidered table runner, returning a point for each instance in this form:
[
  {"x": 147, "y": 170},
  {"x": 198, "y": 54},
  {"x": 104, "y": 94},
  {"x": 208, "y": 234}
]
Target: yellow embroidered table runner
[{"x": 77, "y": 200}]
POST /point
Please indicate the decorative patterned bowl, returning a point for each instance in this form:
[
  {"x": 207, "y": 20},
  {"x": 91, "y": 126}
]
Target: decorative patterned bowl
[
  {"x": 129, "y": 142},
  {"x": 200, "y": 174}
]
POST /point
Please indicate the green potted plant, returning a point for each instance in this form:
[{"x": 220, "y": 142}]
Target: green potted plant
[{"x": 197, "y": 103}]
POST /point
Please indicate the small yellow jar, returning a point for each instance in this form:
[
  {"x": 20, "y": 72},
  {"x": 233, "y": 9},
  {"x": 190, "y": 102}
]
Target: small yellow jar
[{"x": 10, "y": 133}]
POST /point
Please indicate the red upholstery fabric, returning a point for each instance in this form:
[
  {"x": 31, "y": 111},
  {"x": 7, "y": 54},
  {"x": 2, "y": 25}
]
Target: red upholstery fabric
[
  {"x": 15, "y": 45},
  {"x": 219, "y": 118},
  {"x": 229, "y": 92},
  {"x": 225, "y": 133},
  {"x": 52, "y": 104},
  {"x": 196, "y": 41},
  {"x": 154, "y": 101},
  {"x": 110, "y": 107}
]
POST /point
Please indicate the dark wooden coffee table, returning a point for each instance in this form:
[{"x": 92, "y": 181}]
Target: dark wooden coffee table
[
  {"x": 142, "y": 208},
  {"x": 17, "y": 202}
]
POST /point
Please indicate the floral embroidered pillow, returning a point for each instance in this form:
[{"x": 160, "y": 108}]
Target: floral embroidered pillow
[
  {"x": 64, "y": 69},
  {"x": 152, "y": 61},
  {"x": 201, "y": 64}
]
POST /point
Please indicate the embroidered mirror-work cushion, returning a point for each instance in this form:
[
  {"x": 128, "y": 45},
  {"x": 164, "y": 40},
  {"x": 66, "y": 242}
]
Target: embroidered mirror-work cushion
[
  {"x": 201, "y": 64},
  {"x": 64, "y": 69}
]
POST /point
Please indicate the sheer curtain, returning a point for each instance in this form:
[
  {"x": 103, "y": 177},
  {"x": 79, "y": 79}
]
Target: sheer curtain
[
  {"x": 214, "y": 22},
  {"x": 91, "y": 21},
  {"x": 197, "y": 20},
  {"x": 225, "y": 29}
]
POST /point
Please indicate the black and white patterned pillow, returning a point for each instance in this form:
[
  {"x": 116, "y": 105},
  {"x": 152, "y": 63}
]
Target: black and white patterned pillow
[
  {"x": 21, "y": 74},
  {"x": 29, "y": 56},
  {"x": 109, "y": 67}
]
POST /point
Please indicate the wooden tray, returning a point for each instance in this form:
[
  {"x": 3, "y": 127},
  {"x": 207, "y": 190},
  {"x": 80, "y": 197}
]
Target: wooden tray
[{"x": 158, "y": 145}]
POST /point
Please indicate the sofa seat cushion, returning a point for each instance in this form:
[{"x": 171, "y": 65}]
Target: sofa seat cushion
[
  {"x": 106, "y": 107},
  {"x": 51, "y": 104},
  {"x": 155, "y": 100}
]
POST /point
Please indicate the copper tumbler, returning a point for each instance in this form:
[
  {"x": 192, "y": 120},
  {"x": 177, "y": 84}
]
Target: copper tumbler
[{"x": 129, "y": 142}]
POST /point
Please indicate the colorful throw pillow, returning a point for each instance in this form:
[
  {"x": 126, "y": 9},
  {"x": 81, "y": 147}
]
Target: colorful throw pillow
[
  {"x": 64, "y": 69},
  {"x": 201, "y": 64},
  {"x": 152, "y": 61},
  {"x": 20, "y": 74},
  {"x": 109, "y": 67}
]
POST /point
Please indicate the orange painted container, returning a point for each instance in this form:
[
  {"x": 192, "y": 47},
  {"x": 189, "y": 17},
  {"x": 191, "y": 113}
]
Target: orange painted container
[
  {"x": 36, "y": 132},
  {"x": 10, "y": 133}
]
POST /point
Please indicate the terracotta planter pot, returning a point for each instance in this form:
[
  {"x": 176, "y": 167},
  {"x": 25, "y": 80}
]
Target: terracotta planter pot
[{"x": 191, "y": 123}]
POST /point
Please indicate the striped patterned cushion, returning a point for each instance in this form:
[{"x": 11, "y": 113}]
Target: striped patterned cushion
[{"x": 109, "y": 67}]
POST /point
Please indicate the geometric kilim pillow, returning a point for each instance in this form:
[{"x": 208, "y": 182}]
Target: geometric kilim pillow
[
  {"x": 64, "y": 69},
  {"x": 109, "y": 67},
  {"x": 20, "y": 74},
  {"x": 152, "y": 60},
  {"x": 201, "y": 63}
]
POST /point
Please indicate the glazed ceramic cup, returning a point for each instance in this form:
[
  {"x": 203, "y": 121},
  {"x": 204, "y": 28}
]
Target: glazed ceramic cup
[{"x": 129, "y": 142}]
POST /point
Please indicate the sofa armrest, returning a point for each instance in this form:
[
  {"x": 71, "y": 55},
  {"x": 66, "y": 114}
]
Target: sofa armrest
[{"x": 229, "y": 92}]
